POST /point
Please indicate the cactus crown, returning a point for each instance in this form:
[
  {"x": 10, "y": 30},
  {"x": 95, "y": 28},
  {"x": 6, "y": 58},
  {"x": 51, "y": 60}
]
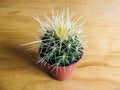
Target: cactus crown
[{"x": 61, "y": 43}]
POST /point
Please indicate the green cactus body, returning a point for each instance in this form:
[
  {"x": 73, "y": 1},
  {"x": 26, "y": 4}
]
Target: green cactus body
[{"x": 58, "y": 53}]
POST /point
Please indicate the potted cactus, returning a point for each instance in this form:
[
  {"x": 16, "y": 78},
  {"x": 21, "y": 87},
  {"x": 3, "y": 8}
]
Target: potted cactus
[{"x": 61, "y": 45}]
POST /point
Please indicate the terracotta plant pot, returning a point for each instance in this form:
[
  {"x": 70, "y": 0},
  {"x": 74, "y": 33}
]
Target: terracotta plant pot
[{"x": 61, "y": 72}]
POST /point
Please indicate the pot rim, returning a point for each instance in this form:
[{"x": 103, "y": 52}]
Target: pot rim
[{"x": 51, "y": 65}]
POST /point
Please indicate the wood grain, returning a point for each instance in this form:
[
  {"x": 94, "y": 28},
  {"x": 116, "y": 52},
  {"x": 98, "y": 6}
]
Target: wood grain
[{"x": 99, "y": 68}]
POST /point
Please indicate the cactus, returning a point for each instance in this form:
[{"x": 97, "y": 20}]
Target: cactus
[
  {"x": 60, "y": 53},
  {"x": 61, "y": 42}
]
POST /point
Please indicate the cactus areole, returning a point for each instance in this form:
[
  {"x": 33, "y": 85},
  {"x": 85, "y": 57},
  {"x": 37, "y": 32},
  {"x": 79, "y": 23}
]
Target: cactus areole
[{"x": 61, "y": 45}]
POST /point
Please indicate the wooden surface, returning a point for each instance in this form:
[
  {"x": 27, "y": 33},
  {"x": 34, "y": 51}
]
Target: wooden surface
[{"x": 100, "y": 67}]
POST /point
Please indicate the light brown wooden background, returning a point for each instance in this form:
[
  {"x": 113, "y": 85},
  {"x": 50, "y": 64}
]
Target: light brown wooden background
[{"x": 100, "y": 67}]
